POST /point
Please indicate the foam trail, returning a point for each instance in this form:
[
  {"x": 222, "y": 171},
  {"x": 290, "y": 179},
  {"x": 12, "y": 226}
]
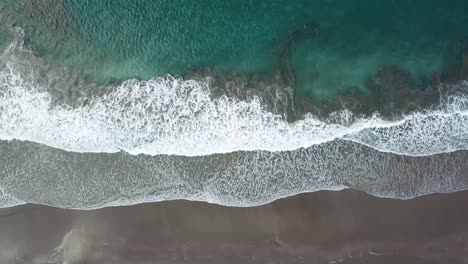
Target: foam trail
[
  {"x": 168, "y": 115},
  {"x": 35, "y": 173}
]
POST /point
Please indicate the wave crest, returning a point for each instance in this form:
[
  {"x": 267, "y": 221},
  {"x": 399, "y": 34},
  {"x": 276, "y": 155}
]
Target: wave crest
[{"x": 168, "y": 115}]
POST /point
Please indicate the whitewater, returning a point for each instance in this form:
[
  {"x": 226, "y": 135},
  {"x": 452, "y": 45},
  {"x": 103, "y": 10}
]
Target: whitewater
[
  {"x": 169, "y": 138},
  {"x": 168, "y": 115}
]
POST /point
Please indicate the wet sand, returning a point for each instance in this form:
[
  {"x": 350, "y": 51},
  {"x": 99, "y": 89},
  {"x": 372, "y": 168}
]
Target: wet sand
[{"x": 324, "y": 227}]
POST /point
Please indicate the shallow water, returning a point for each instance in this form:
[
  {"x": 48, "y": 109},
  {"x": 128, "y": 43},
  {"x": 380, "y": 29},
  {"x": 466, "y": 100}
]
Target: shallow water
[
  {"x": 331, "y": 46},
  {"x": 34, "y": 173}
]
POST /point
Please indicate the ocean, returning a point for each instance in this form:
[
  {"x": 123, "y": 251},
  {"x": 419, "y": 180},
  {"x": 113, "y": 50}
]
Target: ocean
[{"x": 106, "y": 103}]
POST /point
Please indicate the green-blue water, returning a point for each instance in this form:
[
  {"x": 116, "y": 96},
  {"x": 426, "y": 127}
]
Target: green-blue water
[{"x": 332, "y": 47}]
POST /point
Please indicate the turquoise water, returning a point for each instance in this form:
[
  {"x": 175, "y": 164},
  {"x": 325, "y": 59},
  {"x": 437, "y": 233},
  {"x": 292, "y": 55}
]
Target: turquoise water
[{"x": 332, "y": 47}]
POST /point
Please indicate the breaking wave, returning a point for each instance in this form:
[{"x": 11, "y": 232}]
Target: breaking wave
[{"x": 168, "y": 115}]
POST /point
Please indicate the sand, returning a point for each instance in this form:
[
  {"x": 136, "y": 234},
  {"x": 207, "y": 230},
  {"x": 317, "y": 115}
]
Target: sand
[{"x": 323, "y": 227}]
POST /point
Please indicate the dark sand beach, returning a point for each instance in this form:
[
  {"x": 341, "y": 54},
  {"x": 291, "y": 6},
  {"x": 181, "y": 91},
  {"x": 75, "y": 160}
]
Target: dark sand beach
[{"x": 323, "y": 227}]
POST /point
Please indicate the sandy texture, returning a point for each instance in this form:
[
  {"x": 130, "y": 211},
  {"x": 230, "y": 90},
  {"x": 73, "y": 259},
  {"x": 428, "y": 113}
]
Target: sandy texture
[{"x": 323, "y": 227}]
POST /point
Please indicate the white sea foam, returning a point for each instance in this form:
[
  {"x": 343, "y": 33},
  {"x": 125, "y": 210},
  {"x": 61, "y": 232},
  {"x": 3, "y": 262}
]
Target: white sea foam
[
  {"x": 168, "y": 115},
  {"x": 6, "y": 200},
  {"x": 34, "y": 173}
]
